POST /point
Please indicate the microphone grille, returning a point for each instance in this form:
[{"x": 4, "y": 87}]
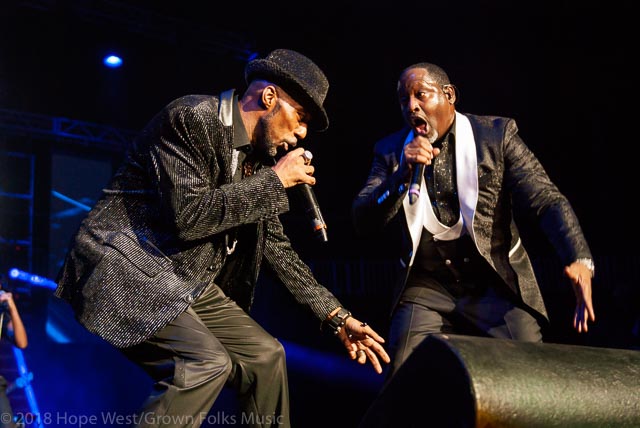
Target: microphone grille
[{"x": 307, "y": 155}]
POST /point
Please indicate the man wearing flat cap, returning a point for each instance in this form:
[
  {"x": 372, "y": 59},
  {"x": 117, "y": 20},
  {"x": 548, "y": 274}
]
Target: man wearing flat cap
[{"x": 164, "y": 266}]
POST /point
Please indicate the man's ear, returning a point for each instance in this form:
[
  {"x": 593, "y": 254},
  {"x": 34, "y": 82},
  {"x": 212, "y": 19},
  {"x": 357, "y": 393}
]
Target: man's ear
[
  {"x": 450, "y": 93},
  {"x": 269, "y": 97}
]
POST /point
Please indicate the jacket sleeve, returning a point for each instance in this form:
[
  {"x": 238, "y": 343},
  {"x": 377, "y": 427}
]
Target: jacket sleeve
[
  {"x": 533, "y": 192},
  {"x": 382, "y": 195},
  {"x": 186, "y": 165},
  {"x": 294, "y": 273}
]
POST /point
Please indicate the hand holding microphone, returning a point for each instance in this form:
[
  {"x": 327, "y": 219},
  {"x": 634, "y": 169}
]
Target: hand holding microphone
[
  {"x": 419, "y": 153},
  {"x": 4, "y": 301},
  {"x": 298, "y": 176}
]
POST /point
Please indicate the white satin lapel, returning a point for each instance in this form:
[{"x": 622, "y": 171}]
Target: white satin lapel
[
  {"x": 415, "y": 213},
  {"x": 466, "y": 171}
]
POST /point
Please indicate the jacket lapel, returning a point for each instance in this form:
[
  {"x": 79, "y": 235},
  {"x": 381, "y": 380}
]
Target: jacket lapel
[
  {"x": 466, "y": 171},
  {"x": 225, "y": 115},
  {"x": 467, "y": 180}
]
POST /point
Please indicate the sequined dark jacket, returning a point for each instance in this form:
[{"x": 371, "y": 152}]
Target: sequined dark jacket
[
  {"x": 508, "y": 175},
  {"x": 156, "y": 237}
]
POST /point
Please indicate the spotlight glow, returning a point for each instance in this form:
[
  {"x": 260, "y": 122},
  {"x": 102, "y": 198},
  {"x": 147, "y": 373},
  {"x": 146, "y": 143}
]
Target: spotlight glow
[{"x": 112, "y": 61}]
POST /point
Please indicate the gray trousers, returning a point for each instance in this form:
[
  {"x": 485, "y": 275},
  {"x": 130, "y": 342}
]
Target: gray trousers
[
  {"x": 486, "y": 312},
  {"x": 212, "y": 344}
]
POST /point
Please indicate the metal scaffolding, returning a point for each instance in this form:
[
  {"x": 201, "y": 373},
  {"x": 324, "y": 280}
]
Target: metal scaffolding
[{"x": 59, "y": 128}]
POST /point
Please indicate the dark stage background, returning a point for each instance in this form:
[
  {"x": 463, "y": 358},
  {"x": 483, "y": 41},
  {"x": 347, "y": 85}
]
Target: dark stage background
[{"x": 562, "y": 70}]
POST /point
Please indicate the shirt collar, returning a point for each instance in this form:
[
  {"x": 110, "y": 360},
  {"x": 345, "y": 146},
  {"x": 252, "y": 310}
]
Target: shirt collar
[
  {"x": 240, "y": 136},
  {"x": 452, "y": 130},
  {"x": 448, "y": 137}
]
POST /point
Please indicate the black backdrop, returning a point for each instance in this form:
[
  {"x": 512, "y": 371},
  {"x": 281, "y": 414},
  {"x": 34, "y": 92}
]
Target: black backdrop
[{"x": 562, "y": 70}]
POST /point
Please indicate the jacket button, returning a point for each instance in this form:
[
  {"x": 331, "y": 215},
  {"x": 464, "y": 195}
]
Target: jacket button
[
  {"x": 447, "y": 262},
  {"x": 189, "y": 298},
  {"x": 467, "y": 259}
]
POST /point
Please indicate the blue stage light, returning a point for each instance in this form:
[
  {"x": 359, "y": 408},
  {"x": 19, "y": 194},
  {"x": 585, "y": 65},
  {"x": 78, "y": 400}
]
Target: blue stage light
[
  {"x": 112, "y": 61},
  {"x": 32, "y": 279}
]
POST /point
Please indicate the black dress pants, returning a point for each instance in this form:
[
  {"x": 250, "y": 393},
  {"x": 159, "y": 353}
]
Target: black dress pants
[
  {"x": 434, "y": 309},
  {"x": 212, "y": 344}
]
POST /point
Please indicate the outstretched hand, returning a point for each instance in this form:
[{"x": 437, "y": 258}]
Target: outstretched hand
[
  {"x": 363, "y": 343},
  {"x": 580, "y": 277}
]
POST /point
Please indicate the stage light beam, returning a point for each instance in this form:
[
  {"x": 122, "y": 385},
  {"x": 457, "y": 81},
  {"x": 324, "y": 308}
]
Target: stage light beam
[{"x": 32, "y": 279}]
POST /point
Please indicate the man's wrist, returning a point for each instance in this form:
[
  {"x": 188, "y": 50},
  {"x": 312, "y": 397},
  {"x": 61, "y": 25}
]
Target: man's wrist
[
  {"x": 585, "y": 261},
  {"x": 336, "y": 322}
]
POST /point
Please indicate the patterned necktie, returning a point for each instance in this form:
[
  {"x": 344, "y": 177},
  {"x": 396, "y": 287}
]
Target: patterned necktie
[
  {"x": 249, "y": 168},
  {"x": 440, "y": 177}
]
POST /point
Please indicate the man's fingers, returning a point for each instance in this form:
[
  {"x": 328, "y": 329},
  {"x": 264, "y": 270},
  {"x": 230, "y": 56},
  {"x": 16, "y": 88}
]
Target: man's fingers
[
  {"x": 368, "y": 331},
  {"x": 371, "y": 356}
]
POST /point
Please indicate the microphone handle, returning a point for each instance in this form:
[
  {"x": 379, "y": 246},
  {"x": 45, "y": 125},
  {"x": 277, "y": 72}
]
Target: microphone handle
[
  {"x": 416, "y": 181},
  {"x": 312, "y": 209}
]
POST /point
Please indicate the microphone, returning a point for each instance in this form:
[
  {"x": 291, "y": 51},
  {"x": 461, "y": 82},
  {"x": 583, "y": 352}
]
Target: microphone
[
  {"x": 416, "y": 180},
  {"x": 312, "y": 209},
  {"x": 310, "y": 203}
]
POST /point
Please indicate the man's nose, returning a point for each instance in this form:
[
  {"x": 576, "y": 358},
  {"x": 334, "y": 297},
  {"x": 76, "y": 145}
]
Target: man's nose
[
  {"x": 413, "y": 104},
  {"x": 301, "y": 132}
]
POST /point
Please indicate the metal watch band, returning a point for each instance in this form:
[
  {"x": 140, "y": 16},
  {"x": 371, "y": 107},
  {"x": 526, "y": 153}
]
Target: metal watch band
[{"x": 588, "y": 263}]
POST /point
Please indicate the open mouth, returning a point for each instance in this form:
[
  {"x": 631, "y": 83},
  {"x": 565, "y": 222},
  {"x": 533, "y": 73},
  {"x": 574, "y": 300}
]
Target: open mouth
[{"x": 419, "y": 125}]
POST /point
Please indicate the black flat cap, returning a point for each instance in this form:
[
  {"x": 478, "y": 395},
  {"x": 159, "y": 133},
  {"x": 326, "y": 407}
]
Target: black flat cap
[{"x": 300, "y": 77}]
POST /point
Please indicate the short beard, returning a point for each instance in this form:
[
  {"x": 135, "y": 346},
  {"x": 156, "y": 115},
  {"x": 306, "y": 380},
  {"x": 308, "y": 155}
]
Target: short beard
[{"x": 266, "y": 143}]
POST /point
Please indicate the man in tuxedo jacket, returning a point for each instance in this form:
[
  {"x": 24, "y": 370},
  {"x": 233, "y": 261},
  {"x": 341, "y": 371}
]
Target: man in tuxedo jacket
[{"x": 447, "y": 185}]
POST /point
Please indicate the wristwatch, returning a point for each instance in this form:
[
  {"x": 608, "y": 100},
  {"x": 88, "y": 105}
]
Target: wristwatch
[{"x": 588, "y": 263}]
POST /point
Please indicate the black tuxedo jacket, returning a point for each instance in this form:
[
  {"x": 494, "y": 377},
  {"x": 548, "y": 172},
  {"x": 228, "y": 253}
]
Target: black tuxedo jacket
[{"x": 506, "y": 174}]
